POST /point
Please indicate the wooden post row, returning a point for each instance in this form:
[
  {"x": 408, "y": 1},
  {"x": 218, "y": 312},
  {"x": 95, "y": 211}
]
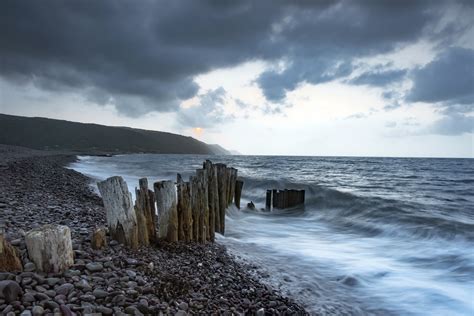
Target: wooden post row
[
  {"x": 191, "y": 211},
  {"x": 284, "y": 198}
]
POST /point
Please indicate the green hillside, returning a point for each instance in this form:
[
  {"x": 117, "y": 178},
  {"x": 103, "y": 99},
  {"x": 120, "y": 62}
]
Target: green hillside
[{"x": 49, "y": 134}]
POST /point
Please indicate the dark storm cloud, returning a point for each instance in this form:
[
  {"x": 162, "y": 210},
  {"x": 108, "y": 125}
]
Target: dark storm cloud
[
  {"x": 144, "y": 56},
  {"x": 448, "y": 79}
]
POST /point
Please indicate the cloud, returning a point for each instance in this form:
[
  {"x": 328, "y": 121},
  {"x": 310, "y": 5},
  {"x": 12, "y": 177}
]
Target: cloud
[
  {"x": 452, "y": 125},
  {"x": 448, "y": 79},
  {"x": 208, "y": 112},
  {"x": 144, "y": 58},
  {"x": 379, "y": 78}
]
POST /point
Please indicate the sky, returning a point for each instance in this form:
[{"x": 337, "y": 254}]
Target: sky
[{"x": 323, "y": 78}]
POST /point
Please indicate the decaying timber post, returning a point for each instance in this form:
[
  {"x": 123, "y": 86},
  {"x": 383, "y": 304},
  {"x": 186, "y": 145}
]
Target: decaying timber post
[
  {"x": 282, "y": 199},
  {"x": 120, "y": 212},
  {"x": 222, "y": 191},
  {"x": 165, "y": 194},
  {"x": 238, "y": 192},
  {"x": 50, "y": 248},
  {"x": 203, "y": 207},
  {"x": 9, "y": 257},
  {"x": 213, "y": 197},
  {"x": 145, "y": 212},
  {"x": 185, "y": 217}
]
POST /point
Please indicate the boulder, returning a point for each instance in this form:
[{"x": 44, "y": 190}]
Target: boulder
[{"x": 10, "y": 290}]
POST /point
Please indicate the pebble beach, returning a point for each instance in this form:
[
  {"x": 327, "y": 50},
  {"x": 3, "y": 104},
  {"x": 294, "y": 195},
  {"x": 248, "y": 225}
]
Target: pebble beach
[{"x": 168, "y": 278}]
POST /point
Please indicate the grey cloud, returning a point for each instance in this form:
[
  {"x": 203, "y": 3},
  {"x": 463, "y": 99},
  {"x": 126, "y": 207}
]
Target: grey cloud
[
  {"x": 209, "y": 112},
  {"x": 451, "y": 125},
  {"x": 379, "y": 78},
  {"x": 144, "y": 57},
  {"x": 448, "y": 79}
]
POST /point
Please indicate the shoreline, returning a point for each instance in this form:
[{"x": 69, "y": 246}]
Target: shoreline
[{"x": 179, "y": 278}]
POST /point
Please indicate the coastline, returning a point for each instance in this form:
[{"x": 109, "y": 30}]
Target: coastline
[{"x": 37, "y": 189}]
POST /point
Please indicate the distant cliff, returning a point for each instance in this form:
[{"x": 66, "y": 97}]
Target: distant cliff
[{"x": 49, "y": 134}]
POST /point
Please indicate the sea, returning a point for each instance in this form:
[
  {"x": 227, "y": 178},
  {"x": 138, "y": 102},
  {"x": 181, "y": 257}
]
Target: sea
[{"x": 375, "y": 236}]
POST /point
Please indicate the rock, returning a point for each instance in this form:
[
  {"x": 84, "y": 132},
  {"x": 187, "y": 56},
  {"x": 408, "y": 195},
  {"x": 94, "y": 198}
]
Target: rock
[
  {"x": 121, "y": 217},
  {"x": 183, "y": 306},
  {"x": 50, "y": 248},
  {"x": 66, "y": 311},
  {"x": 99, "y": 240},
  {"x": 52, "y": 281},
  {"x": 94, "y": 267},
  {"x": 6, "y": 276},
  {"x": 272, "y": 304},
  {"x": 260, "y": 312},
  {"x": 51, "y": 305},
  {"x": 26, "y": 313},
  {"x": 30, "y": 267},
  {"x": 246, "y": 302},
  {"x": 83, "y": 285},
  {"x": 87, "y": 298},
  {"x": 180, "y": 313},
  {"x": 28, "y": 297},
  {"x": 64, "y": 289},
  {"x": 99, "y": 293},
  {"x": 10, "y": 290},
  {"x": 132, "y": 310},
  {"x": 37, "y": 310},
  {"x": 251, "y": 206},
  {"x": 104, "y": 310},
  {"x": 9, "y": 258}
]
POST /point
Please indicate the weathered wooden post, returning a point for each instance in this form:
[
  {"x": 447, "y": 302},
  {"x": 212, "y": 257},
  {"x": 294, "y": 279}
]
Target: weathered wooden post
[
  {"x": 165, "y": 194},
  {"x": 121, "y": 217},
  {"x": 98, "y": 239},
  {"x": 201, "y": 174},
  {"x": 185, "y": 216},
  {"x": 195, "y": 206},
  {"x": 268, "y": 200},
  {"x": 50, "y": 248},
  {"x": 213, "y": 197},
  {"x": 238, "y": 192},
  {"x": 9, "y": 258},
  {"x": 232, "y": 174},
  {"x": 145, "y": 208},
  {"x": 222, "y": 190}
]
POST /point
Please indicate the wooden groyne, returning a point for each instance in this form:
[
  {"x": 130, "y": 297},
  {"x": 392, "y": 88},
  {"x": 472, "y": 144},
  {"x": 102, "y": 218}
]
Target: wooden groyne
[
  {"x": 188, "y": 211},
  {"x": 284, "y": 198}
]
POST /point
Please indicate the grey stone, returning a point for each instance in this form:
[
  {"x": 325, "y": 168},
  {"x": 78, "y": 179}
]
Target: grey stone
[
  {"x": 37, "y": 310},
  {"x": 183, "y": 306},
  {"x": 104, "y": 310},
  {"x": 83, "y": 285},
  {"x": 94, "y": 267},
  {"x": 10, "y": 290},
  {"x": 87, "y": 298},
  {"x": 64, "y": 289},
  {"x": 99, "y": 293},
  {"x": 29, "y": 267},
  {"x": 28, "y": 297},
  {"x": 52, "y": 281}
]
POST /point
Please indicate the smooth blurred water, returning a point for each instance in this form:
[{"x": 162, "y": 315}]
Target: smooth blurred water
[{"x": 375, "y": 236}]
